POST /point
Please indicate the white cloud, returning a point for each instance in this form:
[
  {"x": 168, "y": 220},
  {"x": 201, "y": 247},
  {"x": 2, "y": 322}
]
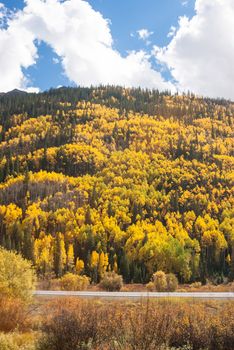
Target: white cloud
[
  {"x": 201, "y": 53},
  {"x": 32, "y": 89},
  {"x": 4, "y": 15},
  {"x": 144, "y": 34},
  {"x": 80, "y": 37},
  {"x": 55, "y": 60},
  {"x": 17, "y": 51},
  {"x": 184, "y": 2},
  {"x": 171, "y": 32}
]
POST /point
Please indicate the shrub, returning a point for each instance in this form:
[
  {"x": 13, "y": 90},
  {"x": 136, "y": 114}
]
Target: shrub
[
  {"x": 196, "y": 285},
  {"x": 146, "y": 327},
  {"x": 160, "y": 281},
  {"x": 17, "y": 278},
  {"x": 82, "y": 324},
  {"x": 6, "y": 342},
  {"x": 150, "y": 286},
  {"x": 12, "y": 314},
  {"x": 163, "y": 282},
  {"x": 74, "y": 282},
  {"x": 72, "y": 324},
  {"x": 172, "y": 282},
  {"x": 16, "y": 341},
  {"x": 111, "y": 281}
]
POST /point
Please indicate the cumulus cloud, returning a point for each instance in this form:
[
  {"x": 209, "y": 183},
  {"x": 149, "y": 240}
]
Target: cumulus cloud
[
  {"x": 184, "y": 2},
  {"x": 171, "y": 32},
  {"x": 144, "y": 34},
  {"x": 17, "y": 51},
  {"x": 55, "y": 60},
  {"x": 80, "y": 37},
  {"x": 200, "y": 55}
]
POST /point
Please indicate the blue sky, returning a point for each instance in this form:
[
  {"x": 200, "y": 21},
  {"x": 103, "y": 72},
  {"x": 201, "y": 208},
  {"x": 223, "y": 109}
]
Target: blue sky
[
  {"x": 121, "y": 42},
  {"x": 127, "y": 17}
]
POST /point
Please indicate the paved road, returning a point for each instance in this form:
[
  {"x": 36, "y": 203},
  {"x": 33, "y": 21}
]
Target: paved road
[{"x": 134, "y": 295}]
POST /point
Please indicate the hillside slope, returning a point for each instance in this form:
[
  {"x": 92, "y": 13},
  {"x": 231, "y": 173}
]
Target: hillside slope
[{"x": 112, "y": 178}]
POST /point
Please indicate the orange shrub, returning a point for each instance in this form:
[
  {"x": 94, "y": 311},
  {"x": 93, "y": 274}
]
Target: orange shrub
[{"x": 13, "y": 314}]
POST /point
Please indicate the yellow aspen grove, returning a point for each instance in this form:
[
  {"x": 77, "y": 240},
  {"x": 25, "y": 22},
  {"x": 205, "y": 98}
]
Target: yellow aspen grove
[{"x": 107, "y": 179}]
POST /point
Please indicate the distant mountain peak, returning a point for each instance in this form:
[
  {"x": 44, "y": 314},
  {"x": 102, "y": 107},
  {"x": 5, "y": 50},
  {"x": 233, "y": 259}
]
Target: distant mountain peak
[
  {"x": 16, "y": 92},
  {"x": 13, "y": 92}
]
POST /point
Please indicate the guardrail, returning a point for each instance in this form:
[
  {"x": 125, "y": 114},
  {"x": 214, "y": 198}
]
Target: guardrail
[{"x": 136, "y": 295}]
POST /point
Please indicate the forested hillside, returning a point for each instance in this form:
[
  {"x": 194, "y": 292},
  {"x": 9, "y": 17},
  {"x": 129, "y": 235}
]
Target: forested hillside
[{"x": 108, "y": 178}]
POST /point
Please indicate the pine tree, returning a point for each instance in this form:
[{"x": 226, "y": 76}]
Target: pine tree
[
  {"x": 124, "y": 268},
  {"x": 28, "y": 245},
  {"x": 59, "y": 255},
  {"x": 88, "y": 219}
]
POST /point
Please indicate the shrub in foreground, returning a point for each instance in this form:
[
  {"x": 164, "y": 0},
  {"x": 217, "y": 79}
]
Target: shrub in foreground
[
  {"x": 111, "y": 281},
  {"x": 74, "y": 282},
  {"x": 17, "y": 278},
  {"x": 71, "y": 324},
  {"x": 13, "y": 314},
  {"x": 78, "y": 324},
  {"x": 7, "y": 342},
  {"x": 15, "y": 341}
]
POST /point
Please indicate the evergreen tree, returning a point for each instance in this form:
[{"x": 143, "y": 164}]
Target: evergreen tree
[
  {"x": 124, "y": 268},
  {"x": 59, "y": 255}
]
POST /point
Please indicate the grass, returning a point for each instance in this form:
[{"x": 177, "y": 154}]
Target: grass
[
  {"x": 138, "y": 325},
  {"x": 73, "y": 323}
]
